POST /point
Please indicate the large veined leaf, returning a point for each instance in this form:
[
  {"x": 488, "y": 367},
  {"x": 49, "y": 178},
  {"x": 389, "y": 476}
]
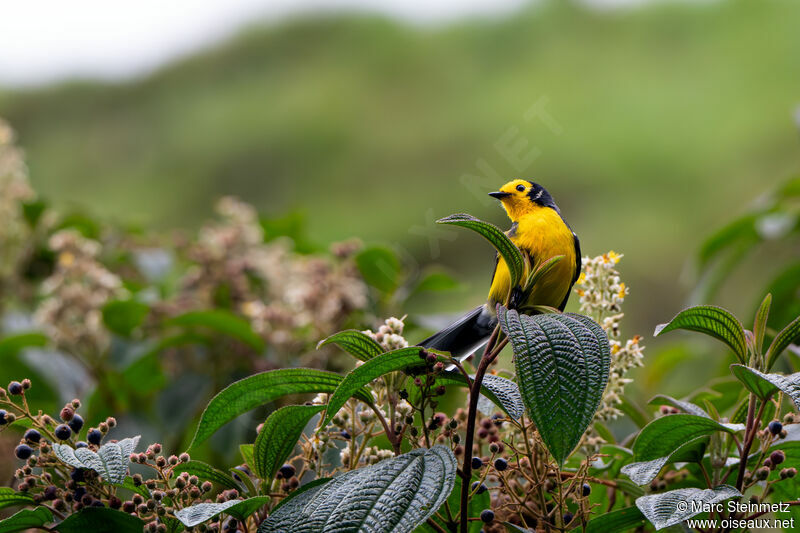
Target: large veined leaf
[
  {"x": 503, "y": 392},
  {"x": 673, "y": 507},
  {"x": 562, "y": 369},
  {"x": 259, "y": 389},
  {"x": 643, "y": 472},
  {"x": 713, "y": 321},
  {"x": 199, "y": 513},
  {"x": 616, "y": 521},
  {"x": 221, "y": 321},
  {"x": 110, "y": 461},
  {"x": 788, "y": 335},
  {"x": 206, "y": 472},
  {"x": 395, "y": 495},
  {"x": 507, "y": 249},
  {"x": 374, "y": 368},
  {"x": 278, "y": 437},
  {"x": 26, "y": 519},
  {"x": 662, "y": 436},
  {"x": 9, "y": 496},
  {"x": 101, "y": 520},
  {"x": 765, "y": 385},
  {"x": 356, "y": 343}
]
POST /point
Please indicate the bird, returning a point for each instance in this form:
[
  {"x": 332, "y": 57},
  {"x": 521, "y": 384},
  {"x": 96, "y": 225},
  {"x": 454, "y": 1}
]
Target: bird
[{"x": 541, "y": 233}]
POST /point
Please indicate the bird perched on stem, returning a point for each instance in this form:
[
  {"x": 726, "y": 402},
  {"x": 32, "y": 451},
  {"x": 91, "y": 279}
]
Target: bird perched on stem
[{"x": 541, "y": 233}]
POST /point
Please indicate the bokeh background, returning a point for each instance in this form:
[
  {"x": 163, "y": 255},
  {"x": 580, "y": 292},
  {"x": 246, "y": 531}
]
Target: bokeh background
[{"x": 653, "y": 124}]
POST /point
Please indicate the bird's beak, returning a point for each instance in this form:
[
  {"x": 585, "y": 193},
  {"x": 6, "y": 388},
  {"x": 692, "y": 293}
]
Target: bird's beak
[{"x": 499, "y": 195}]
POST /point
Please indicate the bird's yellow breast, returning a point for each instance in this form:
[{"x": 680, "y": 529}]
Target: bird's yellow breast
[{"x": 542, "y": 234}]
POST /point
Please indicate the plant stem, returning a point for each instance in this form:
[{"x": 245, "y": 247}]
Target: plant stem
[
  {"x": 489, "y": 354},
  {"x": 748, "y": 441}
]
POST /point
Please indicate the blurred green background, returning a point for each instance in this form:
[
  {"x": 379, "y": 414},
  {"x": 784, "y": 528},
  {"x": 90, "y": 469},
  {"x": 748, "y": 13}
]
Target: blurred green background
[{"x": 662, "y": 123}]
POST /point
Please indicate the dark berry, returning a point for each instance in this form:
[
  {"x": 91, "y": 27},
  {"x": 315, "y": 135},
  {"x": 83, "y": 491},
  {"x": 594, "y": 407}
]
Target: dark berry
[
  {"x": 81, "y": 444},
  {"x": 487, "y": 516},
  {"x": 567, "y": 518},
  {"x": 33, "y": 436},
  {"x": 77, "y": 475},
  {"x": 777, "y": 457},
  {"x": 476, "y": 463},
  {"x": 287, "y": 471},
  {"x": 23, "y": 451},
  {"x": 94, "y": 437},
  {"x": 76, "y": 423},
  {"x": 500, "y": 464},
  {"x": 404, "y": 394},
  {"x": 3, "y": 419},
  {"x": 775, "y": 427},
  {"x": 481, "y": 488},
  {"x": 345, "y": 435},
  {"x": 63, "y": 432},
  {"x": 50, "y": 493},
  {"x": 15, "y": 388},
  {"x": 586, "y": 489}
]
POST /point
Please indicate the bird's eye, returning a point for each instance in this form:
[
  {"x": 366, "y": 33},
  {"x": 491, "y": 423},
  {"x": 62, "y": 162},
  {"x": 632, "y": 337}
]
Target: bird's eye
[{"x": 520, "y": 188}]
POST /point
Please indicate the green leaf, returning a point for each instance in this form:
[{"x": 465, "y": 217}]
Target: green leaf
[
  {"x": 765, "y": 385},
  {"x": 101, "y": 520},
  {"x": 686, "y": 407},
  {"x": 788, "y": 335},
  {"x": 207, "y": 472},
  {"x": 643, "y": 472},
  {"x": 9, "y": 496},
  {"x": 616, "y": 521},
  {"x": 278, "y": 437},
  {"x": 110, "y": 461},
  {"x": 395, "y": 495},
  {"x": 124, "y": 316},
  {"x": 503, "y": 392},
  {"x": 741, "y": 229},
  {"x": 221, "y": 321},
  {"x": 358, "y": 344},
  {"x": 675, "y": 506},
  {"x": 760, "y": 323},
  {"x": 436, "y": 281},
  {"x": 562, "y": 363},
  {"x": 540, "y": 272},
  {"x": 201, "y": 512},
  {"x": 372, "y": 369},
  {"x": 13, "y": 344},
  {"x": 253, "y": 391},
  {"x": 247, "y": 454},
  {"x": 507, "y": 249},
  {"x": 380, "y": 267},
  {"x": 713, "y": 321},
  {"x": 26, "y": 519},
  {"x": 663, "y": 436}
]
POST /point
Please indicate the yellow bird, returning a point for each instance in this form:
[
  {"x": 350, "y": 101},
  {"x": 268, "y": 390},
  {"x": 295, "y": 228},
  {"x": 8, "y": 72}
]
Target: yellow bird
[{"x": 540, "y": 232}]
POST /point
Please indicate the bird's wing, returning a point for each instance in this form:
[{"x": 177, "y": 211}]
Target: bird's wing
[{"x": 575, "y": 274}]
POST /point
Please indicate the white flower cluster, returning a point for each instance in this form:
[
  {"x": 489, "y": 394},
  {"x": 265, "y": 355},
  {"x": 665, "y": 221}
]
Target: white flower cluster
[
  {"x": 601, "y": 296},
  {"x": 14, "y": 190},
  {"x": 390, "y": 334},
  {"x": 369, "y": 456},
  {"x": 290, "y": 299},
  {"x": 74, "y": 296}
]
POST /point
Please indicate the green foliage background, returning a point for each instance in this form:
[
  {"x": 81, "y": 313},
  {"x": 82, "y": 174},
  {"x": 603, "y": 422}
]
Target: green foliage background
[{"x": 675, "y": 117}]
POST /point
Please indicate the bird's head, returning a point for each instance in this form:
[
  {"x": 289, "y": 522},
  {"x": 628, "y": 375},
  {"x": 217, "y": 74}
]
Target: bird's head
[{"x": 520, "y": 197}]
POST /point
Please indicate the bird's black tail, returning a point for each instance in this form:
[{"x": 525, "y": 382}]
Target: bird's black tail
[{"x": 465, "y": 335}]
